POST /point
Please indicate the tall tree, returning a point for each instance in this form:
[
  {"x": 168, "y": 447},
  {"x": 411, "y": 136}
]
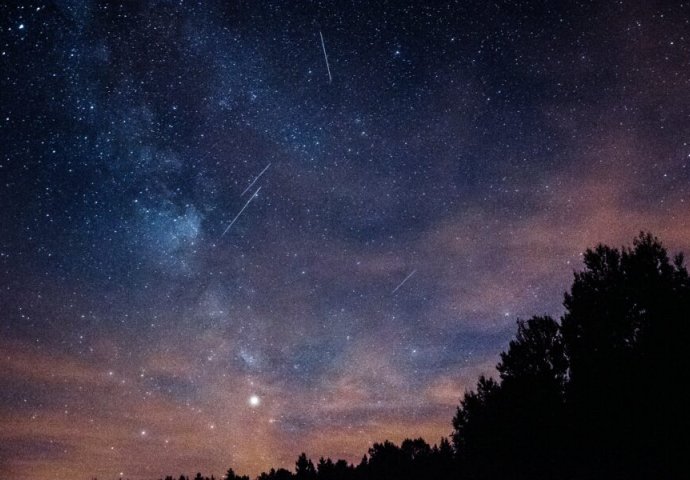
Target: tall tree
[
  {"x": 304, "y": 468},
  {"x": 598, "y": 396},
  {"x": 512, "y": 428},
  {"x": 626, "y": 331}
]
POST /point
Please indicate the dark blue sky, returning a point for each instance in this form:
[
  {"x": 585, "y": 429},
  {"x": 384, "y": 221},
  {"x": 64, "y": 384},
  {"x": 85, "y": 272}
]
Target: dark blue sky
[{"x": 477, "y": 147}]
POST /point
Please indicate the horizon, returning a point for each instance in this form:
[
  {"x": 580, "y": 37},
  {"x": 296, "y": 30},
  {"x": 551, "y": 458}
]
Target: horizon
[{"x": 236, "y": 232}]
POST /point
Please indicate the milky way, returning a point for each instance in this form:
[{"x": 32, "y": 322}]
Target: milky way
[{"x": 170, "y": 304}]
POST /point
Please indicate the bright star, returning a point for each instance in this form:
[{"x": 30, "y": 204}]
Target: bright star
[{"x": 254, "y": 401}]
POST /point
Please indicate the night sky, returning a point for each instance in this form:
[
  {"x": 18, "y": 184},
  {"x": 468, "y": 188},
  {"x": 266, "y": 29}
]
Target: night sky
[{"x": 234, "y": 231}]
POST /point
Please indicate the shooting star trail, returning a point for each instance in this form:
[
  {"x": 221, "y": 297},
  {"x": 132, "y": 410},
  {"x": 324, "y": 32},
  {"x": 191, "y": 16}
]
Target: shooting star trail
[
  {"x": 240, "y": 212},
  {"x": 403, "y": 282},
  {"x": 328, "y": 67},
  {"x": 257, "y": 177}
]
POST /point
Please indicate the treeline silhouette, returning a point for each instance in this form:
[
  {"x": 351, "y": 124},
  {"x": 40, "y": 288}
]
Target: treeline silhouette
[
  {"x": 600, "y": 394},
  {"x": 413, "y": 459}
]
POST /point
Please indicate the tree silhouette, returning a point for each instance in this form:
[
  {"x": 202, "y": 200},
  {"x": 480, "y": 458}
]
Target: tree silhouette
[
  {"x": 386, "y": 461},
  {"x": 442, "y": 464},
  {"x": 304, "y": 468},
  {"x": 231, "y": 475},
  {"x": 340, "y": 470},
  {"x": 626, "y": 331},
  {"x": 325, "y": 469},
  {"x": 273, "y": 474},
  {"x": 592, "y": 397},
  {"x": 533, "y": 374}
]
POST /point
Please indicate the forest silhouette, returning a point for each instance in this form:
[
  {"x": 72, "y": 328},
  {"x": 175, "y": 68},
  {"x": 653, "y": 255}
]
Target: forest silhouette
[{"x": 596, "y": 395}]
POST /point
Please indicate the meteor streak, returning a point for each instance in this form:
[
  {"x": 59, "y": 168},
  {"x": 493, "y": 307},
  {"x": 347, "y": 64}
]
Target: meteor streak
[
  {"x": 323, "y": 46},
  {"x": 257, "y": 177},
  {"x": 402, "y": 283},
  {"x": 240, "y": 212}
]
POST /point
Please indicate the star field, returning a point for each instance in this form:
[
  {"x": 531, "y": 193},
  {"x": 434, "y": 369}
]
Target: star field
[{"x": 235, "y": 231}]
